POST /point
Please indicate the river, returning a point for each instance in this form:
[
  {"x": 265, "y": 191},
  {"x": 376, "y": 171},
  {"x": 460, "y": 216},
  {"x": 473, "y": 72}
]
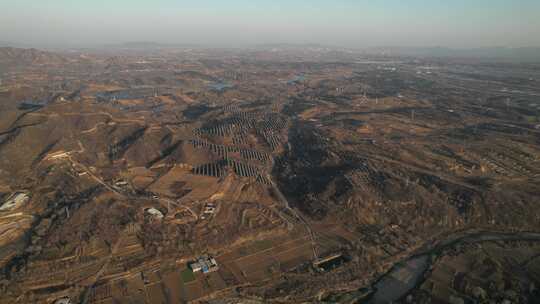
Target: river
[{"x": 408, "y": 274}]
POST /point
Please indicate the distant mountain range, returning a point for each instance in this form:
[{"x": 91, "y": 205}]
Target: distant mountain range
[
  {"x": 150, "y": 45},
  {"x": 523, "y": 54}
]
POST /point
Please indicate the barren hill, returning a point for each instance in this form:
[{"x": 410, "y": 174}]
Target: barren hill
[{"x": 19, "y": 56}]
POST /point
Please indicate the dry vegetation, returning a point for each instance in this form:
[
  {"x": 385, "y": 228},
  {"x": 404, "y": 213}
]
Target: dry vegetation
[{"x": 372, "y": 163}]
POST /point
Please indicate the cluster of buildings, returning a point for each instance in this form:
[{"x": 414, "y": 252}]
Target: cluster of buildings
[
  {"x": 208, "y": 210},
  {"x": 204, "y": 264}
]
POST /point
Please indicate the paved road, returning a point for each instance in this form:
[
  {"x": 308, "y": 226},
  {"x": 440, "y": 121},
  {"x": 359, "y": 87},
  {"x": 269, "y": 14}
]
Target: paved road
[{"x": 297, "y": 215}]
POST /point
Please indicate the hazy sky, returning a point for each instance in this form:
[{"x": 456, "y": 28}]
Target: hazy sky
[{"x": 358, "y": 23}]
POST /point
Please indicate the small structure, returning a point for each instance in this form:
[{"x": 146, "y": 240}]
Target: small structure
[
  {"x": 121, "y": 183},
  {"x": 329, "y": 262},
  {"x": 156, "y": 214},
  {"x": 204, "y": 264},
  {"x": 14, "y": 201},
  {"x": 209, "y": 209},
  {"x": 57, "y": 155},
  {"x": 64, "y": 300}
]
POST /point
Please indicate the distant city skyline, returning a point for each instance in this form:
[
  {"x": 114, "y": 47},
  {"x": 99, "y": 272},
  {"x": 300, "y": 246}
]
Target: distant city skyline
[{"x": 347, "y": 23}]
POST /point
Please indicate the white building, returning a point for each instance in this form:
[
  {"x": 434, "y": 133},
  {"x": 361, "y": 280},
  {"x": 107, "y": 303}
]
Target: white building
[
  {"x": 154, "y": 213},
  {"x": 205, "y": 264}
]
